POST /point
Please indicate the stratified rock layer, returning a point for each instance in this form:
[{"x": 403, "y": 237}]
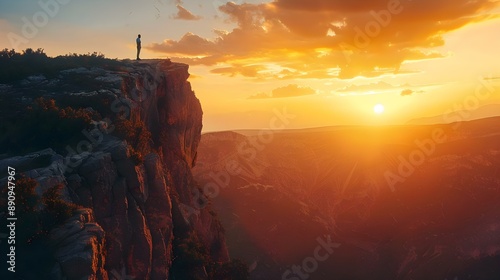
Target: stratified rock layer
[{"x": 126, "y": 228}]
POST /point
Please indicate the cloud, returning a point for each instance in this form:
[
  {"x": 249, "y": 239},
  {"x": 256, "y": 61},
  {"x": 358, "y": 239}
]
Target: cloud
[
  {"x": 408, "y": 92},
  {"x": 184, "y": 14},
  {"x": 492, "y": 78},
  {"x": 193, "y": 76},
  {"x": 292, "y": 90},
  {"x": 251, "y": 71},
  {"x": 380, "y": 87},
  {"x": 366, "y": 87},
  {"x": 189, "y": 44},
  {"x": 329, "y": 38}
]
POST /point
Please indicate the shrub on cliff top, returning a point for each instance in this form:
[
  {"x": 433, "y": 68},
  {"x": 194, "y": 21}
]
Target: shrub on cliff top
[
  {"x": 16, "y": 66},
  {"x": 44, "y": 125}
]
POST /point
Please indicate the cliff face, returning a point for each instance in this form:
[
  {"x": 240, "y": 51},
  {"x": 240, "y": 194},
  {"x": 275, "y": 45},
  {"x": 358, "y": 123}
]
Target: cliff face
[{"x": 134, "y": 211}]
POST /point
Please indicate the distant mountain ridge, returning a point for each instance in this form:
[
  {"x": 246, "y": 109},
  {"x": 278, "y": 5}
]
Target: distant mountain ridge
[{"x": 487, "y": 111}]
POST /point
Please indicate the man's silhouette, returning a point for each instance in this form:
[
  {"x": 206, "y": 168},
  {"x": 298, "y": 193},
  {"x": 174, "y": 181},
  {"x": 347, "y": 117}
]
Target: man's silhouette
[{"x": 138, "y": 41}]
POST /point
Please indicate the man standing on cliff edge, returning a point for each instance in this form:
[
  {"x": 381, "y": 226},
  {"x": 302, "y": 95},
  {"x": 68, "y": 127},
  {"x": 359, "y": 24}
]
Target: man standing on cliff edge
[{"x": 138, "y": 41}]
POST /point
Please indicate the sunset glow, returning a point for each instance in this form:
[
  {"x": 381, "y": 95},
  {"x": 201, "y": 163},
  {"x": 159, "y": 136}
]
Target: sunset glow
[
  {"x": 335, "y": 58},
  {"x": 250, "y": 139}
]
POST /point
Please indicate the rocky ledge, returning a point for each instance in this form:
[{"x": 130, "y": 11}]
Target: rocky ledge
[{"x": 135, "y": 198}]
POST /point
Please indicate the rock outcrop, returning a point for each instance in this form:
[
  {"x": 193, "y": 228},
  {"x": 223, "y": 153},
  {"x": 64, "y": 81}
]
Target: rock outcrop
[{"x": 133, "y": 209}]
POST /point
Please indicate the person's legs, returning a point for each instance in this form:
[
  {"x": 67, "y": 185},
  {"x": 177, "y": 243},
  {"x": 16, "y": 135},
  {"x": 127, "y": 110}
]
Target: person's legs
[{"x": 138, "y": 53}]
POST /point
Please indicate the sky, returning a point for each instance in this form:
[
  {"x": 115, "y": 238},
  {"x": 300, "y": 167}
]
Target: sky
[{"x": 317, "y": 62}]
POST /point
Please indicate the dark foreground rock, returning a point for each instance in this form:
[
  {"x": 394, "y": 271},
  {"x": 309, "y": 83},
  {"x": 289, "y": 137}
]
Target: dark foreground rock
[{"x": 136, "y": 204}]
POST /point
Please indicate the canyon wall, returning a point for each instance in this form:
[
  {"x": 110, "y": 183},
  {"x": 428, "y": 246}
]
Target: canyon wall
[{"x": 132, "y": 211}]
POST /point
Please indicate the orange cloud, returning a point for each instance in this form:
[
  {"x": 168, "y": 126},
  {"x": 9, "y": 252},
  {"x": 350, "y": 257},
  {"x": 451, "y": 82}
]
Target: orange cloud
[
  {"x": 251, "y": 71},
  {"x": 328, "y": 38},
  {"x": 407, "y": 92},
  {"x": 189, "y": 44},
  {"x": 184, "y": 14},
  {"x": 287, "y": 91},
  {"x": 366, "y": 87}
]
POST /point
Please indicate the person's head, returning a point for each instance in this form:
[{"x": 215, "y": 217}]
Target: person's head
[{"x": 139, "y": 36}]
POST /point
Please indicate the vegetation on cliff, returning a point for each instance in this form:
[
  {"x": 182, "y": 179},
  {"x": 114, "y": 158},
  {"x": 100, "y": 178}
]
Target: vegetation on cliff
[
  {"x": 44, "y": 125},
  {"x": 189, "y": 252},
  {"x": 15, "y": 66},
  {"x": 36, "y": 217}
]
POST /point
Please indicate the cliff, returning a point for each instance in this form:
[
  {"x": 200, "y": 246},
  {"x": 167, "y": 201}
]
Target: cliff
[{"x": 128, "y": 174}]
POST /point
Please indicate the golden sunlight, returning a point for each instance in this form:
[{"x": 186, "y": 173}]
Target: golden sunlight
[{"x": 378, "y": 109}]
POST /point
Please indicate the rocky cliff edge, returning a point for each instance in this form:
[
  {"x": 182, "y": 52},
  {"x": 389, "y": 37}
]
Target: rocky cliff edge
[{"x": 135, "y": 197}]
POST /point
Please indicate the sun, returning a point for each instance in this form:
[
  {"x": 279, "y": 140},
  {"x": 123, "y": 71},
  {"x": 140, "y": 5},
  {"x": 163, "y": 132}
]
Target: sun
[{"x": 378, "y": 109}]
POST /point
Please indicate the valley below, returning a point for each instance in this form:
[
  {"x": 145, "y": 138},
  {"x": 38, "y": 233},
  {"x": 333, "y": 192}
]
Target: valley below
[{"x": 395, "y": 202}]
